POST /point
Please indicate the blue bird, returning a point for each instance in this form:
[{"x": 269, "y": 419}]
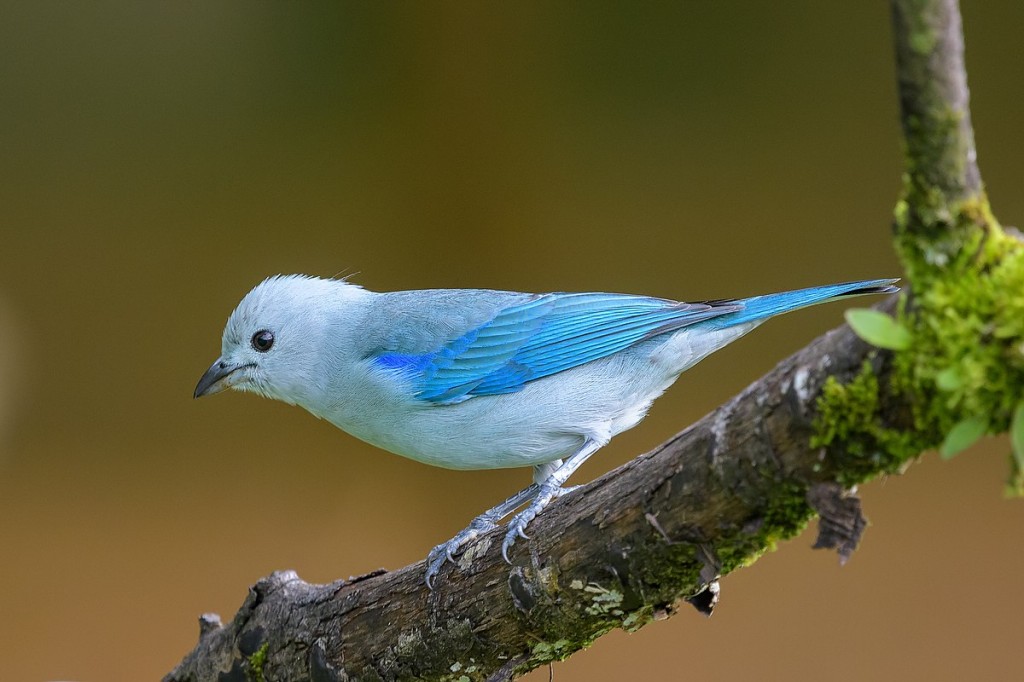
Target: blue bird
[{"x": 481, "y": 379}]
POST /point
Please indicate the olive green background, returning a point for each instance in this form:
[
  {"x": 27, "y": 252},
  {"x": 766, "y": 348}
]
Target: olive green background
[{"x": 159, "y": 159}]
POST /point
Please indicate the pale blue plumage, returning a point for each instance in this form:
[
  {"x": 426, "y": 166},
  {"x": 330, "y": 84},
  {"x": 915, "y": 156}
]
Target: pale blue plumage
[{"x": 480, "y": 379}]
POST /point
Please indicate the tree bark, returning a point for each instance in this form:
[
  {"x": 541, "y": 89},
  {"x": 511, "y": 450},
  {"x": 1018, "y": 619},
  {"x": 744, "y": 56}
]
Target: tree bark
[
  {"x": 934, "y": 100},
  {"x": 631, "y": 546},
  {"x": 619, "y": 553}
]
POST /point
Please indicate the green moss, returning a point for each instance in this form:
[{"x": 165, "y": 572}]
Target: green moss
[
  {"x": 555, "y": 651},
  {"x": 604, "y": 601},
  {"x": 966, "y": 357},
  {"x": 256, "y": 663},
  {"x": 936, "y": 240},
  {"x": 785, "y": 515},
  {"x": 921, "y": 35},
  {"x": 561, "y": 636},
  {"x": 846, "y": 409},
  {"x": 637, "y": 619},
  {"x": 1015, "y": 481},
  {"x": 604, "y": 607},
  {"x": 851, "y": 415}
]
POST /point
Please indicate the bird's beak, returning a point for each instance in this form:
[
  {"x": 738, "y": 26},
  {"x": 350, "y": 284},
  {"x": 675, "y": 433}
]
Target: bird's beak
[{"x": 222, "y": 375}]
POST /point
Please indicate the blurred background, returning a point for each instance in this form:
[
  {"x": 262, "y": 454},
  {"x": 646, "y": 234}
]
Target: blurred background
[{"x": 159, "y": 159}]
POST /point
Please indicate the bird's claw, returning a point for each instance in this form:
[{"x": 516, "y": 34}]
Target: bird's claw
[
  {"x": 516, "y": 529},
  {"x": 447, "y": 551},
  {"x": 517, "y": 526}
]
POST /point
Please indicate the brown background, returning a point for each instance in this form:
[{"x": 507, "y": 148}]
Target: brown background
[{"x": 157, "y": 160}]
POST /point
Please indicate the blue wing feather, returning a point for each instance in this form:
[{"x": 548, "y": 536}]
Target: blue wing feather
[
  {"x": 551, "y": 333},
  {"x": 540, "y": 337}
]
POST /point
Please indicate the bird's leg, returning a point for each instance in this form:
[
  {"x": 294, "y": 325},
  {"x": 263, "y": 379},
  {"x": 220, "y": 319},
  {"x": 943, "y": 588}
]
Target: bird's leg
[
  {"x": 446, "y": 551},
  {"x": 541, "y": 472},
  {"x": 548, "y": 490}
]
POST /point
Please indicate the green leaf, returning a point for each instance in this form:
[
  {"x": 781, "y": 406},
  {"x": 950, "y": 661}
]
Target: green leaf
[
  {"x": 1017, "y": 434},
  {"x": 949, "y": 379},
  {"x": 878, "y": 329},
  {"x": 1015, "y": 483},
  {"x": 963, "y": 435}
]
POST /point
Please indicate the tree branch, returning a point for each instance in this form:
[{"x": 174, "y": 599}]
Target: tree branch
[
  {"x": 630, "y": 546},
  {"x": 620, "y": 553},
  {"x": 943, "y": 207},
  {"x": 934, "y": 100}
]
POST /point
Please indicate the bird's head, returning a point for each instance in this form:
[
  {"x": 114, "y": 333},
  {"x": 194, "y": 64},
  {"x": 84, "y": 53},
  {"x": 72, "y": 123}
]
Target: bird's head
[{"x": 273, "y": 341}]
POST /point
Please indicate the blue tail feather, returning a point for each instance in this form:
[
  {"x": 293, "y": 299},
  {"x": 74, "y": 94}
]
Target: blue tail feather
[{"x": 762, "y": 307}]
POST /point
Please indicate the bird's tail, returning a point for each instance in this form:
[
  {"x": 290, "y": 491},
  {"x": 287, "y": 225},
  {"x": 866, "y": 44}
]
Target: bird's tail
[{"x": 760, "y": 308}]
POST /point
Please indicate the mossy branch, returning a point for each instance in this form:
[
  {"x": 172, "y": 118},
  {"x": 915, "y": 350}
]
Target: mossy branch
[
  {"x": 631, "y": 546},
  {"x": 959, "y": 369},
  {"x": 624, "y": 551},
  {"x": 961, "y": 373},
  {"x": 934, "y": 100}
]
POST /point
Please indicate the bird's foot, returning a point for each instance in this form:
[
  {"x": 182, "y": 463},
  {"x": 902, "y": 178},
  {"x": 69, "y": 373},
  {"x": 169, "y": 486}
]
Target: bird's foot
[
  {"x": 447, "y": 551},
  {"x": 517, "y": 526}
]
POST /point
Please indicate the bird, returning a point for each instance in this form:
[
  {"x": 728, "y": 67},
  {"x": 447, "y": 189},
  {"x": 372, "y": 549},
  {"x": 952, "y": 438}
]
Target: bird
[{"x": 479, "y": 378}]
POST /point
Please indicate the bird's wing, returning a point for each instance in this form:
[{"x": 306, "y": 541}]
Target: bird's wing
[{"x": 539, "y": 337}]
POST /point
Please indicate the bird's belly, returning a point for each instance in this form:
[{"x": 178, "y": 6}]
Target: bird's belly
[
  {"x": 484, "y": 436},
  {"x": 549, "y": 419}
]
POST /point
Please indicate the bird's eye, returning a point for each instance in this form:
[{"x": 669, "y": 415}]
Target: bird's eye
[{"x": 263, "y": 340}]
